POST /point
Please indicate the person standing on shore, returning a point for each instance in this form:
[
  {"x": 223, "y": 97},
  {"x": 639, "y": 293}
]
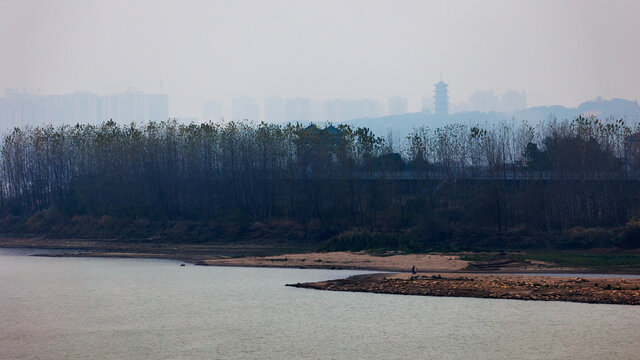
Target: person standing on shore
[{"x": 413, "y": 270}]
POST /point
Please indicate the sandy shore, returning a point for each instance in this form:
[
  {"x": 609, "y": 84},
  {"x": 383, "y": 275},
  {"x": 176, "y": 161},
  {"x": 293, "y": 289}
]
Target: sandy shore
[
  {"x": 270, "y": 255},
  {"x": 393, "y": 262},
  {"x": 255, "y": 255},
  {"x": 521, "y": 287},
  {"x": 349, "y": 260}
]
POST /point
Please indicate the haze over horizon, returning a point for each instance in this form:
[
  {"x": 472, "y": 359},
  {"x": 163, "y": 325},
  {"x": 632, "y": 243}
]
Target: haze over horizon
[{"x": 564, "y": 52}]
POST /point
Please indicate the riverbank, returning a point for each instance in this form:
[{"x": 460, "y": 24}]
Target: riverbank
[
  {"x": 292, "y": 255},
  {"x": 270, "y": 255},
  {"x": 440, "y": 274},
  {"x": 521, "y": 287}
]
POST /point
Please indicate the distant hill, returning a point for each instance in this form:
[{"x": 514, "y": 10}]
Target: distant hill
[
  {"x": 402, "y": 124},
  {"x": 618, "y": 108}
]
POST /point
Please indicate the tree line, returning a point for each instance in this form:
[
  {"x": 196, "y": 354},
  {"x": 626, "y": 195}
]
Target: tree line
[{"x": 458, "y": 186}]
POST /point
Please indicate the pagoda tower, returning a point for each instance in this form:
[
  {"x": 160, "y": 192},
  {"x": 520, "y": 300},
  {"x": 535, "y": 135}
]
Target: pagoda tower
[{"x": 441, "y": 98}]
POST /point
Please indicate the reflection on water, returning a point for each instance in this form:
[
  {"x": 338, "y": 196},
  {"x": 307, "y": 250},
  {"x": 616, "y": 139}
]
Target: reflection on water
[
  {"x": 80, "y": 308},
  {"x": 31, "y": 252}
]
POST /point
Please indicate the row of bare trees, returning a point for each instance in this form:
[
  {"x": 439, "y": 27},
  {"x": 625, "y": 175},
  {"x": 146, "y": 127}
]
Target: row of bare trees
[{"x": 555, "y": 175}]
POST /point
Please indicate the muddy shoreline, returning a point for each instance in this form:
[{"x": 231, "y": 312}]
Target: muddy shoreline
[
  {"x": 499, "y": 286},
  {"x": 286, "y": 255}
]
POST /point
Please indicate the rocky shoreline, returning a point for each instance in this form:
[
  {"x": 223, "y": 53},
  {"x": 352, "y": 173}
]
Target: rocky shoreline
[{"x": 521, "y": 287}]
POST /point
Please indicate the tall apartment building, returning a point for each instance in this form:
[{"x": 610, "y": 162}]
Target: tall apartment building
[{"x": 22, "y": 108}]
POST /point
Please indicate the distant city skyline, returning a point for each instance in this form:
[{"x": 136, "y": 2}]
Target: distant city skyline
[
  {"x": 560, "y": 52},
  {"x": 21, "y": 108}
]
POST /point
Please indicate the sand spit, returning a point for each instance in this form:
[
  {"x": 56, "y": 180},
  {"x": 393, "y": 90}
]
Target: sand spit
[
  {"x": 522, "y": 287},
  {"x": 349, "y": 260}
]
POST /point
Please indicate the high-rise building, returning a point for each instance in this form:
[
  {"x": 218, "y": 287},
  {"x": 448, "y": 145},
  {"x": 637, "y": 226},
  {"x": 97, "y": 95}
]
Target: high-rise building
[
  {"x": 483, "y": 101},
  {"x": 245, "y": 108},
  {"x": 397, "y": 105},
  {"x": 21, "y": 108},
  {"x": 344, "y": 110},
  {"x": 290, "y": 110},
  {"x": 441, "y": 99},
  {"x": 133, "y": 106}
]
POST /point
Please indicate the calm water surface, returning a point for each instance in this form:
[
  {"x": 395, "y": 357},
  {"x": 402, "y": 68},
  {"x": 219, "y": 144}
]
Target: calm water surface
[{"x": 91, "y": 308}]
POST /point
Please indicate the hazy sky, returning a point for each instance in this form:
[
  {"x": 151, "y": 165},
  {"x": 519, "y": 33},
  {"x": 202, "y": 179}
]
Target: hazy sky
[{"x": 559, "y": 52}]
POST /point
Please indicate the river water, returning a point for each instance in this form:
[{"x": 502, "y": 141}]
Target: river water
[{"x": 92, "y": 308}]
